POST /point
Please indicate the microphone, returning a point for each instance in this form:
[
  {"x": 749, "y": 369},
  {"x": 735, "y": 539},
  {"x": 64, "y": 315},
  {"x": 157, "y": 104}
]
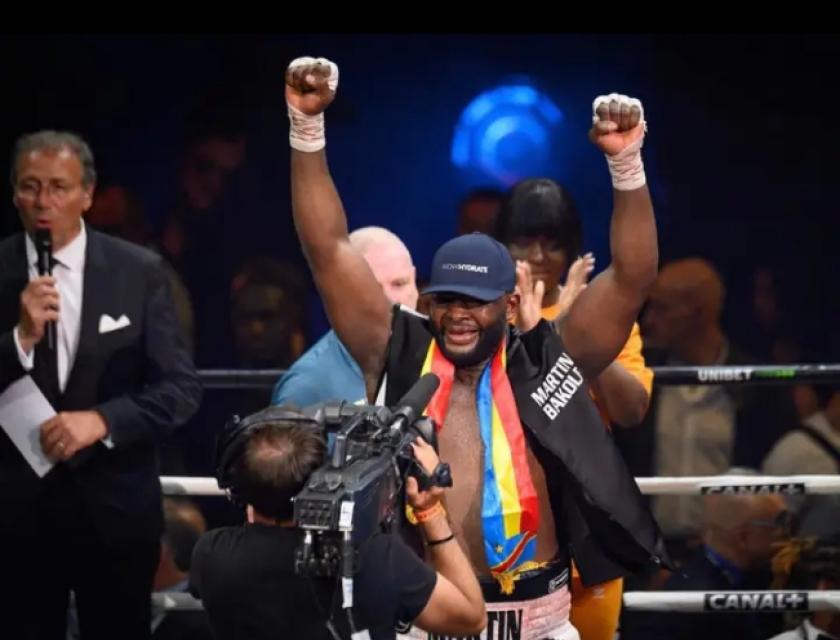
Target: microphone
[
  {"x": 411, "y": 405},
  {"x": 43, "y": 246}
]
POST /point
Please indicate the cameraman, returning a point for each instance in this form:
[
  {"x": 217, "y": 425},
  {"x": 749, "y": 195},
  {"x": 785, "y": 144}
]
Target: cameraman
[{"x": 246, "y": 575}]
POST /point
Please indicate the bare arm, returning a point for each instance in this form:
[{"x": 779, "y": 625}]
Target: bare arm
[
  {"x": 622, "y": 394},
  {"x": 456, "y": 606},
  {"x": 357, "y": 307},
  {"x": 600, "y": 320},
  {"x": 624, "y": 387},
  {"x": 355, "y": 303}
]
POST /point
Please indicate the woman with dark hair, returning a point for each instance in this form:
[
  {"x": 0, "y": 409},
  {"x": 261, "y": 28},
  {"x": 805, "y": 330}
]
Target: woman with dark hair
[{"x": 539, "y": 224}]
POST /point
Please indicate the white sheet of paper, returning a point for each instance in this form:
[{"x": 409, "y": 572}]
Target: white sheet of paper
[{"x": 23, "y": 409}]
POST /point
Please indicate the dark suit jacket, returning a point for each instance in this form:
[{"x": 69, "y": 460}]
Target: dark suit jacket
[
  {"x": 700, "y": 574},
  {"x": 140, "y": 378}
]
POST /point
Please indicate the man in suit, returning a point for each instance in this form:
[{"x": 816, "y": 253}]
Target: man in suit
[
  {"x": 120, "y": 379},
  {"x": 741, "y": 534}
]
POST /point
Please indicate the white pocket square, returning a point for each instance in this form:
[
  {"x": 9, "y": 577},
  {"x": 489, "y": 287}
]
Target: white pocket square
[{"x": 108, "y": 324}]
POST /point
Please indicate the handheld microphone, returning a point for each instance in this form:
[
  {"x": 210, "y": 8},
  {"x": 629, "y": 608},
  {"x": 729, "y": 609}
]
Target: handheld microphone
[{"x": 43, "y": 246}]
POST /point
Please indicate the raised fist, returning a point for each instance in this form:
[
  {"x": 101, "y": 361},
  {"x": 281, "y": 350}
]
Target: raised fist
[
  {"x": 617, "y": 123},
  {"x": 311, "y": 84}
]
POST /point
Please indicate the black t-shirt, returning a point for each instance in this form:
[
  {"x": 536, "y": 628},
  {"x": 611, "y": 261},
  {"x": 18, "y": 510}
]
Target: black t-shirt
[{"x": 245, "y": 577}]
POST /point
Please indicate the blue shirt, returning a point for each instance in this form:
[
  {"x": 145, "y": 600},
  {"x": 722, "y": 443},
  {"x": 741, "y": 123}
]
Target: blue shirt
[{"x": 325, "y": 372}]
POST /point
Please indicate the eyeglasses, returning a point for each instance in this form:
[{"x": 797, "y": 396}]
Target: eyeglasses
[
  {"x": 783, "y": 521},
  {"x": 56, "y": 191}
]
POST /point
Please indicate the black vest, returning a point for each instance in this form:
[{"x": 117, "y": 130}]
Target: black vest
[{"x": 599, "y": 512}]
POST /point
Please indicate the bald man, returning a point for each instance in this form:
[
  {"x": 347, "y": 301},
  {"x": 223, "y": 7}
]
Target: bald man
[
  {"x": 740, "y": 536},
  {"x": 184, "y": 525},
  {"x": 743, "y": 531},
  {"x": 697, "y": 430},
  {"x": 327, "y": 371},
  {"x": 683, "y": 312}
]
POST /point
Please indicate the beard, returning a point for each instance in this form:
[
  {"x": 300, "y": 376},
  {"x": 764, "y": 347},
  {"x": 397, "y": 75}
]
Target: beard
[{"x": 488, "y": 341}]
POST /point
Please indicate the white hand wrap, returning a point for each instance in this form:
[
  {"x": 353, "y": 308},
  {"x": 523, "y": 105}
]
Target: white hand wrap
[
  {"x": 626, "y": 167},
  {"x": 306, "y": 133}
]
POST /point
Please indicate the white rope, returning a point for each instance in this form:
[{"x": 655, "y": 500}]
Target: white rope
[
  {"x": 175, "y": 601},
  {"x": 690, "y": 485},
  {"x": 732, "y": 601},
  {"x": 187, "y": 485},
  {"x": 677, "y": 601},
  {"x": 696, "y": 485}
]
